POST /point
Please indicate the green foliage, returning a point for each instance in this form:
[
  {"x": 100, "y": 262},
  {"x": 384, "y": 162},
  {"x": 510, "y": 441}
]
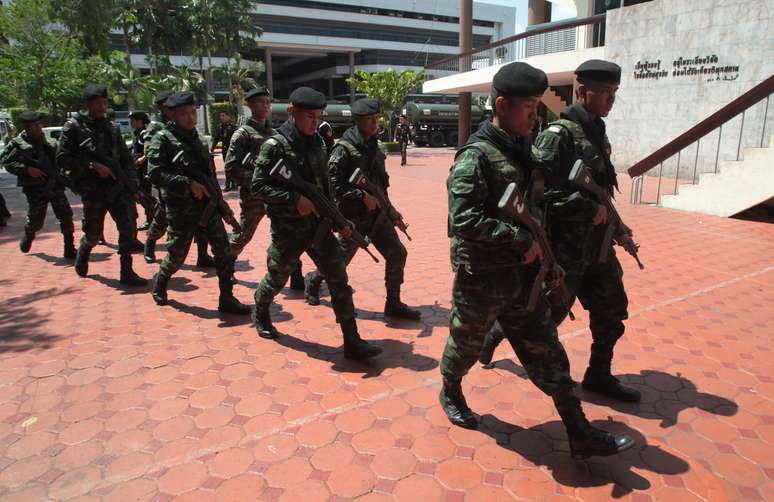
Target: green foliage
[
  {"x": 89, "y": 21},
  {"x": 216, "y": 108},
  {"x": 239, "y": 76},
  {"x": 387, "y": 87},
  {"x": 390, "y": 146}
]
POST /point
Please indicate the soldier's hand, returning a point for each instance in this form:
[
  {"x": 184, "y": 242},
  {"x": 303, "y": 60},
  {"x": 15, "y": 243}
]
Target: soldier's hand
[
  {"x": 601, "y": 217},
  {"x": 371, "y": 202},
  {"x": 36, "y": 173},
  {"x": 198, "y": 190},
  {"x": 306, "y": 207},
  {"x": 346, "y": 232},
  {"x": 140, "y": 161},
  {"x": 532, "y": 254},
  {"x": 102, "y": 170}
]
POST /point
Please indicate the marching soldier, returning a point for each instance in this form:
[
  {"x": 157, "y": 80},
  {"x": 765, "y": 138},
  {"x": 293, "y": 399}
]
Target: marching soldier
[
  {"x": 223, "y": 136},
  {"x": 295, "y": 220},
  {"x": 89, "y": 141},
  {"x": 178, "y": 144},
  {"x": 403, "y": 135},
  {"x": 493, "y": 258},
  {"x": 139, "y": 122},
  {"x": 359, "y": 148},
  {"x": 32, "y": 159}
]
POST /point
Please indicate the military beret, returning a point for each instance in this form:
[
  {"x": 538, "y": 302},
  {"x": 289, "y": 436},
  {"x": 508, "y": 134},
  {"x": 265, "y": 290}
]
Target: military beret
[
  {"x": 94, "y": 91},
  {"x": 256, "y": 91},
  {"x": 138, "y": 115},
  {"x": 177, "y": 99},
  {"x": 599, "y": 71},
  {"x": 520, "y": 80},
  {"x": 161, "y": 97},
  {"x": 306, "y": 97},
  {"x": 30, "y": 116},
  {"x": 363, "y": 107}
]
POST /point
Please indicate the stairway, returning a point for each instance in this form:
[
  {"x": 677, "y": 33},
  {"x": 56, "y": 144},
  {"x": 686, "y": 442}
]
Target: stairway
[
  {"x": 554, "y": 101},
  {"x": 738, "y": 185}
]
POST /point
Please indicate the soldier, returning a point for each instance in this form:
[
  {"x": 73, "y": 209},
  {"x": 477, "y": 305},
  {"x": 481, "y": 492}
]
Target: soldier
[
  {"x": 88, "y": 141},
  {"x": 158, "y": 226},
  {"x": 295, "y": 220},
  {"x": 32, "y": 159},
  {"x": 139, "y": 122},
  {"x": 359, "y": 148},
  {"x": 186, "y": 199},
  {"x": 247, "y": 141},
  {"x": 223, "y": 136},
  {"x": 5, "y": 214},
  {"x": 493, "y": 259},
  {"x": 403, "y": 135}
]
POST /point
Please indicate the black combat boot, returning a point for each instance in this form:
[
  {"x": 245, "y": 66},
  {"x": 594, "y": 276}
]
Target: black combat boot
[
  {"x": 102, "y": 240},
  {"x": 227, "y": 303},
  {"x": 149, "y": 251},
  {"x": 159, "y": 292},
  {"x": 297, "y": 279},
  {"x": 312, "y": 283},
  {"x": 82, "y": 261},
  {"x": 138, "y": 246},
  {"x": 585, "y": 440},
  {"x": 393, "y": 307},
  {"x": 26, "y": 243},
  {"x": 203, "y": 259},
  {"x": 355, "y": 347},
  {"x": 454, "y": 404},
  {"x": 491, "y": 341},
  {"x": 598, "y": 378},
  {"x": 128, "y": 277},
  {"x": 262, "y": 321},
  {"x": 69, "y": 247}
]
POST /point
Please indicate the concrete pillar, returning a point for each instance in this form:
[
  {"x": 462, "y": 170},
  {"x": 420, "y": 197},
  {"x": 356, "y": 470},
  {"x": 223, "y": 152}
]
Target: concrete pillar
[
  {"x": 351, "y": 75},
  {"x": 539, "y": 11},
  {"x": 330, "y": 87},
  {"x": 466, "y": 45},
  {"x": 269, "y": 75}
]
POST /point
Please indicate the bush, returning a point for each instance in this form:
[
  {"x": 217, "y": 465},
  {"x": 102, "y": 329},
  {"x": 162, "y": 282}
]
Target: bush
[
  {"x": 215, "y": 108},
  {"x": 48, "y": 120},
  {"x": 390, "y": 146}
]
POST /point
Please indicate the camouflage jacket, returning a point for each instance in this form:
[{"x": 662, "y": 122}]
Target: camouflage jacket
[
  {"x": 40, "y": 152},
  {"x": 165, "y": 173},
  {"x": 305, "y": 154},
  {"x": 247, "y": 139},
  {"x": 482, "y": 238},
  {"x": 350, "y": 153}
]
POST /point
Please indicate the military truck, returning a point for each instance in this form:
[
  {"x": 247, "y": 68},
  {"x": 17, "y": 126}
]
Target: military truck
[
  {"x": 435, "y": 124},
  {"x": 338, "y": 115}
]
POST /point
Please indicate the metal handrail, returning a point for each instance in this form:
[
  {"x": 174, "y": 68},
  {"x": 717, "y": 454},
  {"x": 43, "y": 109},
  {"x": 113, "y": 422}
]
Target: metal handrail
[{"x": 561, "y": 25}]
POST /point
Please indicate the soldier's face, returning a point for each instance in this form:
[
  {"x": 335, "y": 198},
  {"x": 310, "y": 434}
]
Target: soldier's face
[
  {"x": 97, "y": 107},
  {"x": 517, "y": 116},
  {"x": 34, "y": 129},
  {"x": 136, "y": 123},
  {"x": 368, "y": 125},
  {"x": 599, "y": 98},
  {"x": 225, "y": 118},
  {"x": 185, "y": 117},
  {"x": 306, "y": 120},
  {"x": 260, "y": 107}
]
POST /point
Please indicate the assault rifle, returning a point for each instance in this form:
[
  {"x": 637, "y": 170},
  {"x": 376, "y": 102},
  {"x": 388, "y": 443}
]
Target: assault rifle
[
  {"x": 513, "y": 204},
  {"x": 359, "y": 180},
  {"x": 581, "y": 176},
  {"x": 286, "y": 175},
  {"x": 53, "y": 178},
  {"x": 116, "y": 172},
  {"x": 216, "y": 201}
]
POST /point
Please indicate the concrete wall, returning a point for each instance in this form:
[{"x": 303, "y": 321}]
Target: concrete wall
[{"x": 650, "y": 112}]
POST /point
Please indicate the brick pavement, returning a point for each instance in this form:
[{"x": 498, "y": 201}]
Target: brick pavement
[{"x": 105, "y": 396}]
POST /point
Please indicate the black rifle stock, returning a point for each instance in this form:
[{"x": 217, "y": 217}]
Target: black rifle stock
[
  {"x": 515, "y": 206},
  {"x": 360, "y": 180},
  {"x": 216, "y": 201},
  {"x": 286, "y": 175},
  {"x": 581, "y": 176}
]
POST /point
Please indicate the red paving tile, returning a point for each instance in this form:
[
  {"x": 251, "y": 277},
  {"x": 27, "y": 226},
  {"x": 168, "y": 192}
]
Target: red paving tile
[{"x": 105, "y": 396}]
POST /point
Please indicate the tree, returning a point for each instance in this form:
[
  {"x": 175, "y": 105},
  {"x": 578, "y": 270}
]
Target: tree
[
  {"x": 89, "y": 21},
  {"x": 387, "y": 87},
  {"x": 240, "y": 77}
]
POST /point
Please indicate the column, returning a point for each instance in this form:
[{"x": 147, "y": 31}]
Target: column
[
  {"x": 539, "y": 11},
  {"x": 351, "y": 75},
  {"x": 466, "y": 45},
  {"x": 269, "y": 75}
]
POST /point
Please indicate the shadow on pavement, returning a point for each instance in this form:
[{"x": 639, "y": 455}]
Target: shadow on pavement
[{"x": 21, "y": 323}]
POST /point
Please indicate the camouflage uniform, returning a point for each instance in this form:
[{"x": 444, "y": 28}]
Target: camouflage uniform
[
  {"x": 138, "y": 151},
  {"x": 40, "y": 191},
  {"x": 490, "y": 282}
]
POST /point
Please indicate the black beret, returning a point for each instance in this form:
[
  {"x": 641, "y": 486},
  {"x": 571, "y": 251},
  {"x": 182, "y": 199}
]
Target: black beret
[
  {"x": 599, "y": 71},
  {"x": 138, "y": 115},
  {"x": 183, "y": 98},
  {"x": 363, "y": 107},
  {"x": 30, "y": 116},
  {"x": 306, "y": 97},
  {"x": 161, "y": 97},
  {"x": 520, "y": 80},
  {"x": 256, "y": 91},
  {"x": 94, "y": 91}
]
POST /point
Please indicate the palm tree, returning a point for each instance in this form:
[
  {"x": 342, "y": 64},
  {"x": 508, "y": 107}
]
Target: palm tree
[{"x": 240, "y": 76}]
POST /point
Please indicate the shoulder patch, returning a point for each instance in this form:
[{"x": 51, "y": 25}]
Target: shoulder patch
[
  {"x": 555, "y": 129},
  {"x": 272, "y": 141}
]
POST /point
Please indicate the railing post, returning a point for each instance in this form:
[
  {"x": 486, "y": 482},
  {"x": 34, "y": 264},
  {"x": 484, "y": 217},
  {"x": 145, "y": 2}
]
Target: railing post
[
  {"x": 765, "y": 113},
  {"x": 717, "y": 153},
  {"x": 677, "y": 171},
  {"x": 658, "y": 189},
  {"x": 696, "y": 160},
  {"x": 739, "y": 145}
]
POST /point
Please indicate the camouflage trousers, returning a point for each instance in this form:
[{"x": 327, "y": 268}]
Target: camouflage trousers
[
  {"x": 147, "y": 207},
  {"x": 480, "y": 299},
  {"x": 38, "y": 202},
  {"x": 291, "y": 237},
  {"x": 95, "y": 206},
  {"x": 183, "y": 225},
  {"x": 251, "y": 214},
  {"x": 158, "y": 226}
]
